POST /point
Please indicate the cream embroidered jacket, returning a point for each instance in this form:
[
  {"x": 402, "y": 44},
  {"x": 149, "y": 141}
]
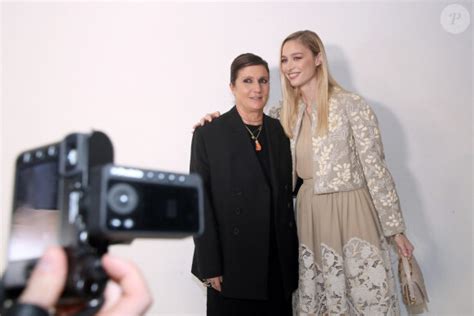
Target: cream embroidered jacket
[{"x": 351, "y": 156}]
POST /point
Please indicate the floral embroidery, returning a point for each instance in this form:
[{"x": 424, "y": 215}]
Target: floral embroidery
[
  {"x": 358, "y": 282},
  {"x": 351, "y": 156},
  {"x": 394, "y": 220}
]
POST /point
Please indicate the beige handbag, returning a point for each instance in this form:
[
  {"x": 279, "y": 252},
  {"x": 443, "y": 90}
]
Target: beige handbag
[{"x": 412, "y": 284}]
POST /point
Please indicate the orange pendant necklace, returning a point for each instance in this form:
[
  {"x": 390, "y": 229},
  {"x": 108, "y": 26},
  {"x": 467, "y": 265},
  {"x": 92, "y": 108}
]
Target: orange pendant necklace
[{"x": 254, "y": 137}]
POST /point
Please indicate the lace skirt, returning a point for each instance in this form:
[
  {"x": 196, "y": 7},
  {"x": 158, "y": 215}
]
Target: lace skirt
[{"x": 344, "y": 260}]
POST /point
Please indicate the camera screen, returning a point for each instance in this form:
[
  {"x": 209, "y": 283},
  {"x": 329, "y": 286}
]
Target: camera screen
[
  {"x": 172, "y": 208},
  {"x": 35, "y": 219},
  {"x": 159, "y": 208}
]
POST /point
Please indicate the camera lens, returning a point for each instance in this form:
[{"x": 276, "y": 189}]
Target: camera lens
[{"x": 122, "y": 198}]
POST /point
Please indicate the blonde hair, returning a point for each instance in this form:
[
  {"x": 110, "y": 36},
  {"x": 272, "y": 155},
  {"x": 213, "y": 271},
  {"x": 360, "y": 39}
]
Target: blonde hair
[{"x": 325, "y": 82}]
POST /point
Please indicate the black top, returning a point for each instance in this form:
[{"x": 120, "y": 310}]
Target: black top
[{"x": 262, "y": 155}]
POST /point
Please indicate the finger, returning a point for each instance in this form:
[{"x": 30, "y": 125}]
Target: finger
[
  {"x": 47, "y": 279},
  {"x": 112, "y": 295},
  {"x": 404, "y": 250},
  {"x": 135, "y": 298},
  {"x": 208, "y": 117},
  {"x": 202, "y": 121},
  {"x": 218, "y": 286},
  {"x": 221, "y": 279}
]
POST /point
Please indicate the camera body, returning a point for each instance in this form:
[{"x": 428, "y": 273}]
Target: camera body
[{"x": 70, "y": 193}]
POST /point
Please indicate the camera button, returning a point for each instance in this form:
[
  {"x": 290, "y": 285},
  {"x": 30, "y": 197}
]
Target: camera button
[
  {"x": 128, "y": 223},
  {"x": 27, "y": 157},
  {"x": 171, "y": 177},
  {"x": 236, "y": 231},
  {"x": 39, "y": 154},
  {"x": 115, "y": 222},
  {"x": 94, "y": 287},
  {"x": 161, "y": 176},
  {"x": 83, "y": 236},
  {"x": 52, "y": 151},
  {"x": 150, "y": 175},
  {"x": 182, "y": 178}
]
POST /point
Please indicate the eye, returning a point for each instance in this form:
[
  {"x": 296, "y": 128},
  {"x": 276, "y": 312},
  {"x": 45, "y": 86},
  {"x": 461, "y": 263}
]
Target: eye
[
  {"x": 284, "y": 60},
  {"x": 247, "y": 80},
  {"x": 297, "y": 58},
  {"x": 263, "y": 81}
]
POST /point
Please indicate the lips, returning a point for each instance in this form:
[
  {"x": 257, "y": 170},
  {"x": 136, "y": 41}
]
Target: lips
[
  {"x": 293, "y": 75},
  {"x": 256, "y": 98}
]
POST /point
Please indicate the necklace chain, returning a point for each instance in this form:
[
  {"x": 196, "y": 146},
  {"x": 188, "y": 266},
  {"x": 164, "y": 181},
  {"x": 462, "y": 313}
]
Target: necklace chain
[{"x": 254, "y": 137}]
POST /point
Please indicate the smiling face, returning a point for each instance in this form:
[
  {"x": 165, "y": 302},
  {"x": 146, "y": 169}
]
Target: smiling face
[
  {"x": 298, "y": 63},
  {"x": 251, "y": 88}
]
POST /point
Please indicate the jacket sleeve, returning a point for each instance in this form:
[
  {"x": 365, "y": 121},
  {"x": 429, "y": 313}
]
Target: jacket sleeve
[
  {"x": 369, "y": 147},
  {"x": 207, "y": 253}
]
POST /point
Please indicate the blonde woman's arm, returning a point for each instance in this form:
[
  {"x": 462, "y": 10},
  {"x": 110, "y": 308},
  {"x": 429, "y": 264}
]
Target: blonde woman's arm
[{"x": 369, "y": 147}]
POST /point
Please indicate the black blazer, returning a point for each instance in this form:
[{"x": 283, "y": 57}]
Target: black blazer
[{"x": 235, "y": 242}]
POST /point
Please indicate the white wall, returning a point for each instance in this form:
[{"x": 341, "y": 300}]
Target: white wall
[{"x": 145, "y": 72}]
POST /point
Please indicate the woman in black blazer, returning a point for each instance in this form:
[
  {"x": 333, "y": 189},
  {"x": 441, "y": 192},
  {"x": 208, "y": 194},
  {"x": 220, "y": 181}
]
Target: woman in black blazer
[{"x": 248, "y": 253}]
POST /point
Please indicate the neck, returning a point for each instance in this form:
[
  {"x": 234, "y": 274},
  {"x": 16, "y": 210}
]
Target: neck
[
  {"x": 250, "y": 117},
  {"x": 309, "y": 93}
]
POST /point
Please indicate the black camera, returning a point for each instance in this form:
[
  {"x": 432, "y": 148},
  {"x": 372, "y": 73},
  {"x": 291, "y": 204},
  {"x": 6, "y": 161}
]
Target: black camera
[{"x": 70, "y": 193}]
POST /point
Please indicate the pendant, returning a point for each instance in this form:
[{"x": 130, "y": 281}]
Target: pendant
[{"x": 258, "y": 147}]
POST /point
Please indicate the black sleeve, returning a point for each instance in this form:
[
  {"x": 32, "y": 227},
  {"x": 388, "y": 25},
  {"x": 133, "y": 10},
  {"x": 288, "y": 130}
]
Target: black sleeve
[{"x": 207, "y": 253}]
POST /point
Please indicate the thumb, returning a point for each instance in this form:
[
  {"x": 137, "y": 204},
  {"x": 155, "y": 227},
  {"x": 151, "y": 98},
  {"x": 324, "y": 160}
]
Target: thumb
[{"x": 47, "y": 279}]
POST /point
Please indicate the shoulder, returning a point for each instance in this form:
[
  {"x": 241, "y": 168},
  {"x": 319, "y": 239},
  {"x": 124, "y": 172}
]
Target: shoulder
[
  {"x": 273, "y": 122},
  {"x": 274, "y": 126},
  {"x": 216, "y": 125},
  {"x": 350, "y": 101},
  {"x": 275, "y": 111}
]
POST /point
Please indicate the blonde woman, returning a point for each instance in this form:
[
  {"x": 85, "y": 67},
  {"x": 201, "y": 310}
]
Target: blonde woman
[{"x": 347, "y": 206}]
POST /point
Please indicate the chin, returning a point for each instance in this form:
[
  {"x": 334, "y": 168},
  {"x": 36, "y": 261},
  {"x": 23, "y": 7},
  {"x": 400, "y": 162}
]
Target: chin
[
  {"x": 295, "y": 84},
  {"x": 259, "y": 106}
]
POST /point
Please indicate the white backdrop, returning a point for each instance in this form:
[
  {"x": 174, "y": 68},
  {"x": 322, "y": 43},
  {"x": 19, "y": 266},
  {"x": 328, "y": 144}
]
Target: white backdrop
[{"x": 145, "y": 72}]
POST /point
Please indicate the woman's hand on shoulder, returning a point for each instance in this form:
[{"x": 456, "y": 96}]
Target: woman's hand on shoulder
[
  {"x": 404, "y": 246},
  {"x": 207, "y": 119}
]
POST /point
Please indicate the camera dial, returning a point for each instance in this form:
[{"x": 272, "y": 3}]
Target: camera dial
[{"x": 122, "y": 198}]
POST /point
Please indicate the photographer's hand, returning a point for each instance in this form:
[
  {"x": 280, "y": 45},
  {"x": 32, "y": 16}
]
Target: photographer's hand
[
  {"x": 47, "y": 280},
  {"x": 127, "y": 292}
]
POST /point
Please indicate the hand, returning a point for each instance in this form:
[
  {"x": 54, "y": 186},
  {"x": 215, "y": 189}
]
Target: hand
[
  {"x": 216, "y": 283},
  {"x": 404, "y": 246},
  {"x": 125, "y": 294},
  {"x": 47, "y": 280},
  {"x": 207, "y": 119}
]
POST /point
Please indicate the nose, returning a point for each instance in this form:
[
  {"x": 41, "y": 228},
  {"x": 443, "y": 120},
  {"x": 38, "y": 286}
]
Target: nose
[{"x": 257, "y": 87}]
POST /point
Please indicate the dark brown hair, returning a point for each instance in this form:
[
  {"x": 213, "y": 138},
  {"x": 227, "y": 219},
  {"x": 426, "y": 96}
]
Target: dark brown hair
[{"x": 245, "y": 60}]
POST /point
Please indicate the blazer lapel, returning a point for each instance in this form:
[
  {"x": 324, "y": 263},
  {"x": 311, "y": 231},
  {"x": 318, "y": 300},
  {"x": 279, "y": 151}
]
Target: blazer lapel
[{"x": 273, "y": 150}]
